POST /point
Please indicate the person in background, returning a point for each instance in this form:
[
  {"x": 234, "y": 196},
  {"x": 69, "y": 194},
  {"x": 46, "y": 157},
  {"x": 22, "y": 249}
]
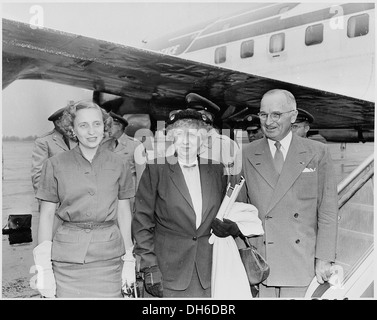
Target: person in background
[
  {"x": 253, "y": 127},
  {"x": 291, "y": 181},
  {"x": 177, "y": 200},
  {"x": 217, "y": 147},
  {"x": 48, "y": 145},
  {"x": 302, "y": 124},
  {"x": 88, "y": 255},
  {"x": 125, "y": 145}
]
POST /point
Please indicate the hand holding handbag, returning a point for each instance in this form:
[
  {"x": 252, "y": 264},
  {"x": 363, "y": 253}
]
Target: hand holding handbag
[{"x": 256, "y": 267}]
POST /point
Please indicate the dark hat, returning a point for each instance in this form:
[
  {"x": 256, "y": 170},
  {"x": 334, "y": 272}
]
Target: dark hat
[
  {"x": 304, "y": 116},
  {"x": 118, "y": 118},
  {"x": 187, "y": 114},
  {"x": 251, "y": 122},
  {"x": 197, "y": 102},
  {"x": 56, "y": 115}
]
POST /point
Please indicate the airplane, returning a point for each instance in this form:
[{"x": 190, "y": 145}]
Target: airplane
[
  {"x": 322, "y": 53},
  {"x": 317, "y": 45},
  {"x": 316, "y": 51}
]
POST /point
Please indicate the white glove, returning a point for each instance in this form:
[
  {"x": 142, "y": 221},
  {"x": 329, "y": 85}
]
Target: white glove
[
  {"x": 129, "y": 270},
  {"x": 45, "y": 284}
]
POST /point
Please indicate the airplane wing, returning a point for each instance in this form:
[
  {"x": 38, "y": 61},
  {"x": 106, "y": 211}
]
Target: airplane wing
[{"x": 156, "y": 83}]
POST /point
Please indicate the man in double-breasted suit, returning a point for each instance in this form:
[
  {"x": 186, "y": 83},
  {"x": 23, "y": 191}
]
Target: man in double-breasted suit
[
  {"x": 293, "y": 186},
  {"x": 177, "y": 200},
  {"x": 48, "y": 145}
]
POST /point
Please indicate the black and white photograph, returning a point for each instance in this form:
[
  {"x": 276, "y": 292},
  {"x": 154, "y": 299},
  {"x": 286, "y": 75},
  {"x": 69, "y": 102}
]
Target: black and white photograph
[{"x": 188, "y": 150}]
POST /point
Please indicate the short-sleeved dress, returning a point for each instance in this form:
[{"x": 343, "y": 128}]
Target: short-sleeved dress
[{"x": 87, "y": 247}]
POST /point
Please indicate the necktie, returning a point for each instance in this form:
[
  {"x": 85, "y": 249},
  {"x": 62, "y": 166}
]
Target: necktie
[
  {"x": 66, "y": 140},
  {"x": 278, "y": 158}
]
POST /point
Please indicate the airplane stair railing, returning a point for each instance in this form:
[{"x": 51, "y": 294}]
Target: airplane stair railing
[
  {"x": 353, "y": 269},
  {"x": 364, "y": 171}
]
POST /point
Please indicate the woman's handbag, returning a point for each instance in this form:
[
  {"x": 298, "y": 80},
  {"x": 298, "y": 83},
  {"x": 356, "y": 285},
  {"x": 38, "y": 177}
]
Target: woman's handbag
[{"x": 257, "y": 269}]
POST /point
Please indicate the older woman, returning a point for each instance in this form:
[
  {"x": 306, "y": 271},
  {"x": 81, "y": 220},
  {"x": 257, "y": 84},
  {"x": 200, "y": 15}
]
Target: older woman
[
  {"x": 93, "y": 186},
  {"x": 177, "y": 199}
]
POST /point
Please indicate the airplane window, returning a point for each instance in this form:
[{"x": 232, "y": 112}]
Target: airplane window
[
  {"x": 247, "y": 49},
  {"x": 220, "y": 55},
  {"x": 314, "y": 34},
  {"x": 277, "y": 42},
  {"x": 358, "y": 26}
]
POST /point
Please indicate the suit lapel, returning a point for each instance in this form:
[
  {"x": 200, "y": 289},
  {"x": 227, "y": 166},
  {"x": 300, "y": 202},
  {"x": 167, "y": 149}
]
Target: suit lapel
[
  {"x": 297, "y": 159},
  {"x": 123, "y": 145},
  {"x": 119, "y": 148},
  {"x": 58, "y": 138},
  {"x": 262, "y": 161},
  {"x": 178, "y": 180},
  {"x": 205, "y": 182}
]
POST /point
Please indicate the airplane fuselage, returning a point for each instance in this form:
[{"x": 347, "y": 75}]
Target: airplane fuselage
[
  {"x": 322, "y": 53},
  {"x": 323, "y": 46}
]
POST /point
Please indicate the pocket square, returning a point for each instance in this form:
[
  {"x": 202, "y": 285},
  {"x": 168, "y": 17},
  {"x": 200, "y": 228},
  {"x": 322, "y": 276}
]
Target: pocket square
[{"x": 308, "y": 170}]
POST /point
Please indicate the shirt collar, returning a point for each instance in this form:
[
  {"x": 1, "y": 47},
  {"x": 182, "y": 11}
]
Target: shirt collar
[
  {"x": 78, "y": 150},
  {"x": 189, "y": 164},
  {"x": 285, "y": 142}
]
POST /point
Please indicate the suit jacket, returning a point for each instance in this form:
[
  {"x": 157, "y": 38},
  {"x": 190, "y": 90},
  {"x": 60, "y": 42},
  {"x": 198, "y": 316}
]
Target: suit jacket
[
  {"x": 130, "y": 149},
  {"x": 164, "y": 222},
  {"x": 45, "y": 147},
  {"x": 220, "y": 148},
  {"x": 133, "y": 151},
  {"x": 299, "y": 208},
  {"x": 127, "y": 146}
]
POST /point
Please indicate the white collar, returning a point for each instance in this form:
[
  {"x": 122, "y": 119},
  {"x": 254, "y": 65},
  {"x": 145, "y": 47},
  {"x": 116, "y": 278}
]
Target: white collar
[
  {"x": 285, "y": 143},
  {"x": 189, "y": 164}
]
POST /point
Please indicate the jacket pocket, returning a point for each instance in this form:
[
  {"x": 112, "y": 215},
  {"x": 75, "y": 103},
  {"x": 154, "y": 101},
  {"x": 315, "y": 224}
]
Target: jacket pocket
[
  {"x": 106, "y": 243},
  {"x": 65, "y": 234},
  {"x": 307, "y": 185},
  {"x": 68, "y": 246},
  {"x": 106, "y": 234}
]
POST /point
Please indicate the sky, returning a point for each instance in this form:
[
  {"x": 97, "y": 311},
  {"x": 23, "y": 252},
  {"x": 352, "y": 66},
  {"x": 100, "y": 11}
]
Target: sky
[{"x": 26, "y": 104}]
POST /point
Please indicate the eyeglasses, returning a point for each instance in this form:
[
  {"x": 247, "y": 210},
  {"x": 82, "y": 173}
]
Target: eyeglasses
[{"x": 275, "y": 116}]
